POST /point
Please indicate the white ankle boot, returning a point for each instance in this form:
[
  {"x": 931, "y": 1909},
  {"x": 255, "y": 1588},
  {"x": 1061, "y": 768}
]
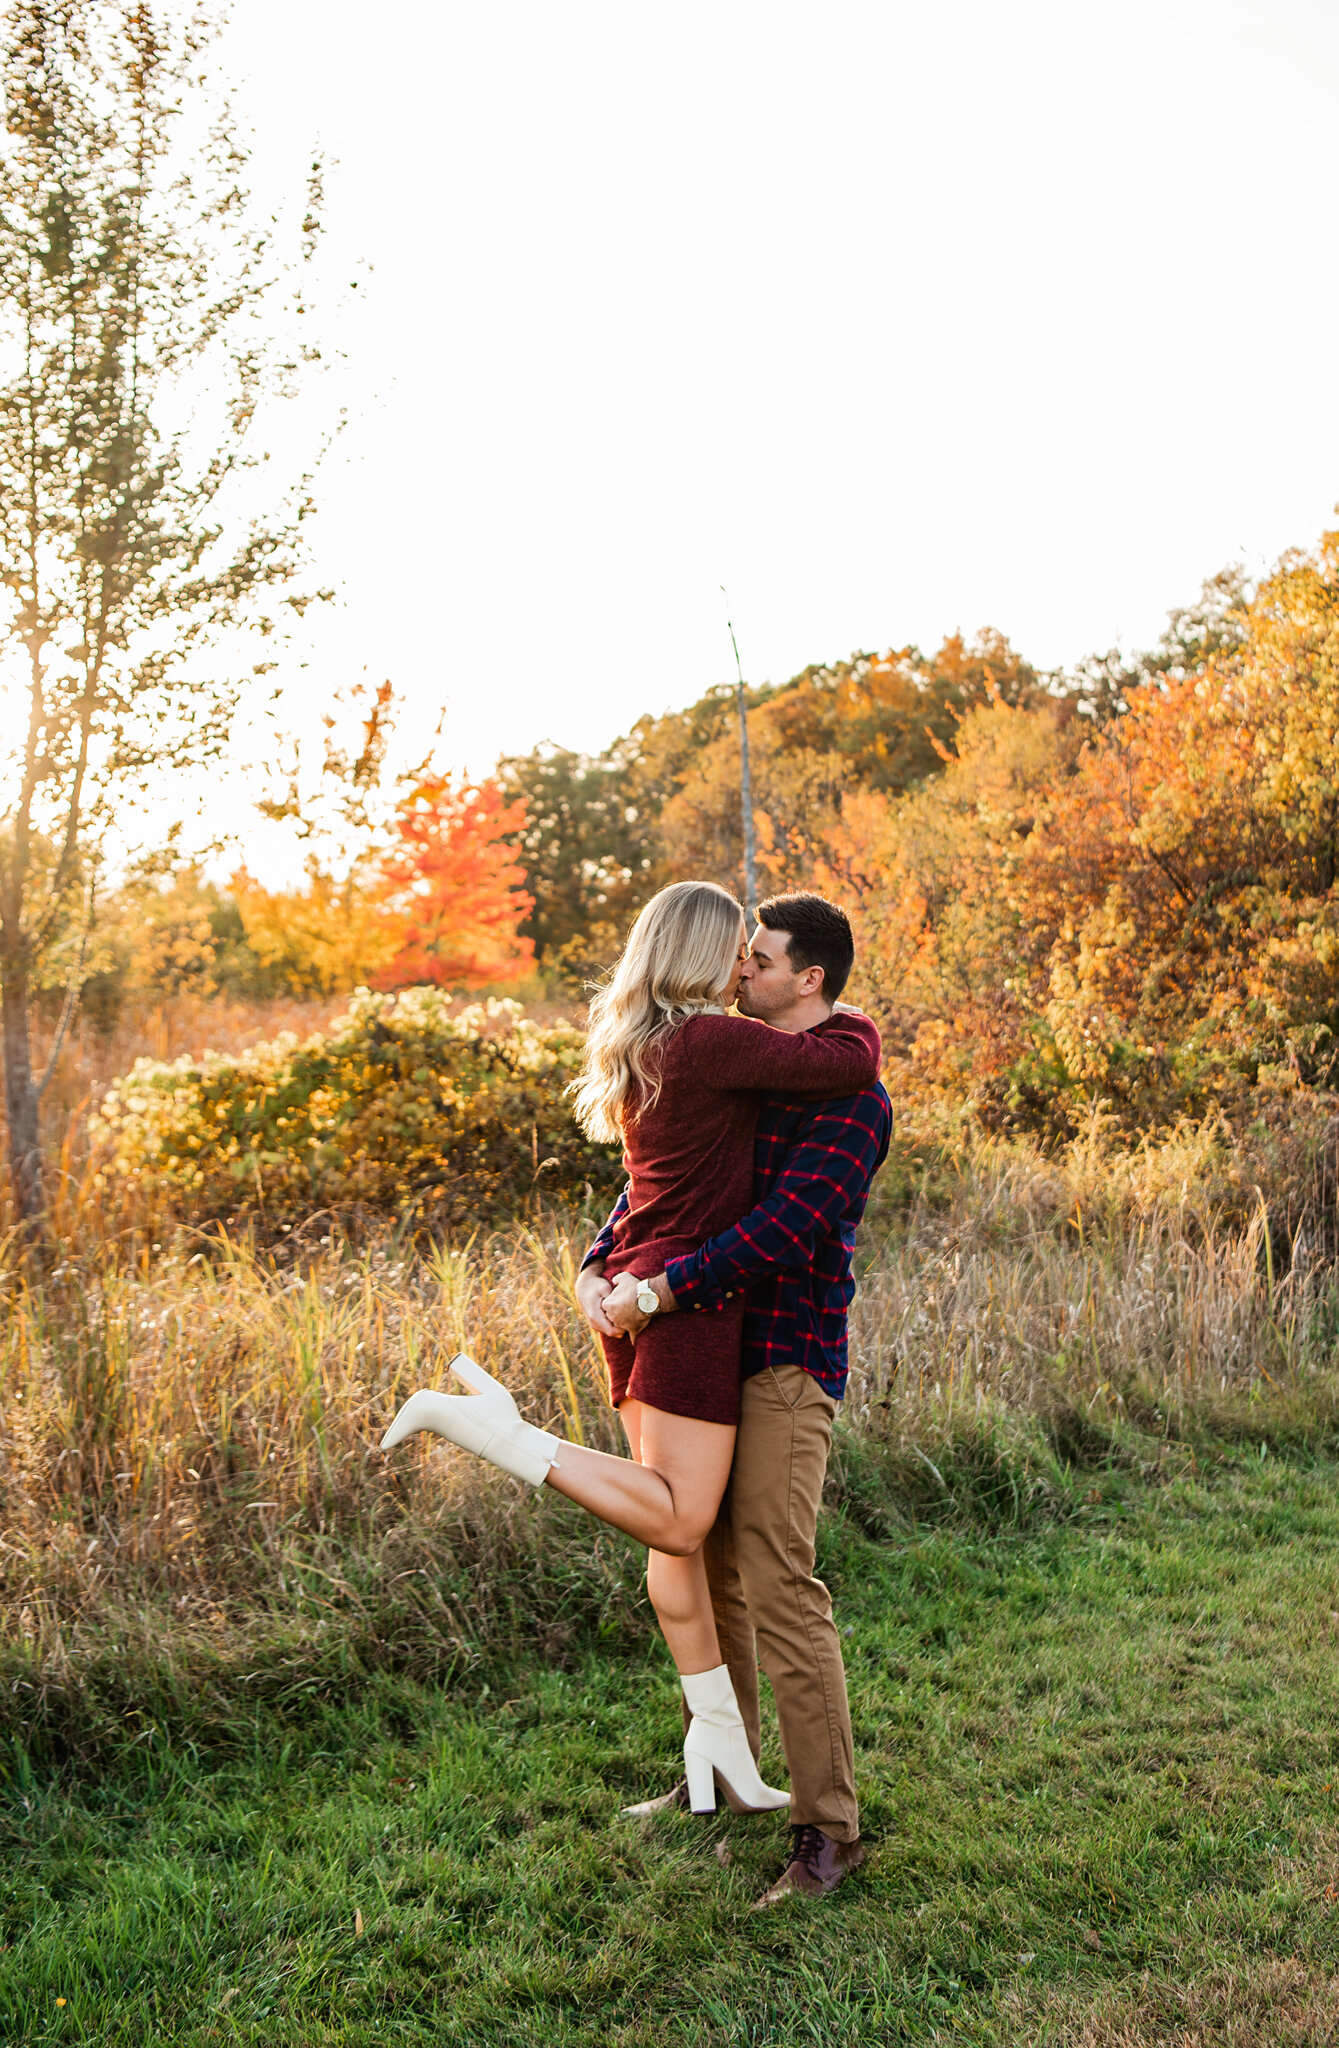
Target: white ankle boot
[
  {"x": 716, "y": 1749},
  {"x": 486, "y": 1422}
]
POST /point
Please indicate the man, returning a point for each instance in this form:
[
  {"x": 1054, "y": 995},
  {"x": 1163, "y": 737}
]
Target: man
[{"x": 793, "y": 1252}]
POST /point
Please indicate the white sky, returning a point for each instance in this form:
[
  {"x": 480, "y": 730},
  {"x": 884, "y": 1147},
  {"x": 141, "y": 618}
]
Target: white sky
[{"x": 893, "y": 317}]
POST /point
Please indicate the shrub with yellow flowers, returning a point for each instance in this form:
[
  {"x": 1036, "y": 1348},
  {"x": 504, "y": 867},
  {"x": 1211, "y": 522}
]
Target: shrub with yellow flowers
[{"x": 406, "y": 1106}]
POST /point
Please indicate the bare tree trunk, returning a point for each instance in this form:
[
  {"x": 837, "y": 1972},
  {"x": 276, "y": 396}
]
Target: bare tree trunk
[{"x": 25, "y": 1154}]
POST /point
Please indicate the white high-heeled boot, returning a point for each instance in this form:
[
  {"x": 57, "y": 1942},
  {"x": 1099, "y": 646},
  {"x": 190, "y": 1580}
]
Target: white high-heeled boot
[
  {"x": 486, "y": 1422},
  {"x": 716, "y": 1749}
]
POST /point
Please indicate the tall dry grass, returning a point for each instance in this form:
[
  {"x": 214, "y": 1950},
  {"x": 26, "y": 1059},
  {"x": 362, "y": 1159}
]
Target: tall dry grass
[
  {"x": 1040, "y": 1312},
  {"x": 91, "y": 1059},
  {"x": 196, "y": 1516},
  {"x": 194, "y": 1497},
  {"x": 1123, "y": 1279}
]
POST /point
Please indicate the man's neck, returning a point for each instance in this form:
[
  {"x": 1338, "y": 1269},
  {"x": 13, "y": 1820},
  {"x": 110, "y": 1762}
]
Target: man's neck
[{"x": 802, "y": 1016}]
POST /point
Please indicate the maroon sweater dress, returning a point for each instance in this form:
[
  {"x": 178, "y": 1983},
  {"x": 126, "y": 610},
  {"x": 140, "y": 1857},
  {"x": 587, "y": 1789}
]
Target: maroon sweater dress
[{"x": 690, "y": 1167}]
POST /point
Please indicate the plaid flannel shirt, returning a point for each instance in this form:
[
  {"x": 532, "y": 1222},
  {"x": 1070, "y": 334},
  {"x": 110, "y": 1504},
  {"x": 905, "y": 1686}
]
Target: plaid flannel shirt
[{"x": 812, "y": 1163}]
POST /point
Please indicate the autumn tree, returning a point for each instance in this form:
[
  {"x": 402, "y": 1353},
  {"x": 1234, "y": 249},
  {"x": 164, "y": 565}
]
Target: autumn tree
[
  {"x": 1141, "y": 912},
  {"x": 1196, "y": 634},
  {"x": 336, "y": 797},
  {"x": 588, "y": 846},
  {"x": 891, "y": 716},
  {"x": 139, "y": 290},
  {"x": 603, "y": 832},
  {"x": 944, "y": 932},
  {"x": 876, "y": 722},
  {"x": 1186, "y": 873},
  {"x": 797, "y": 795},
  {"x": 453, "y": 889}
]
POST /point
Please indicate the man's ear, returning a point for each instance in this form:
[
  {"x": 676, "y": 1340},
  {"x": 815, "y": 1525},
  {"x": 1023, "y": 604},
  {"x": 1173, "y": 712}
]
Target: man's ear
[{"x": 811, "y": 981}]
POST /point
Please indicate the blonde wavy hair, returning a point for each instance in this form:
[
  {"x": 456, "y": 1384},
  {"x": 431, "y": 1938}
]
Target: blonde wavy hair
[{"x": 677, "y": 963}]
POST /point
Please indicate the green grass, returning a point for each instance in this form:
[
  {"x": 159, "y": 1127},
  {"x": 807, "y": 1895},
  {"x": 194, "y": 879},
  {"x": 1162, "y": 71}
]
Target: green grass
[{"x": 1100, "y": 1768}]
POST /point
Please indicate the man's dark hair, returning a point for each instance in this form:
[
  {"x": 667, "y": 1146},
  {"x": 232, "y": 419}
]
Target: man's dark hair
[{"x": 819, "y": 933}]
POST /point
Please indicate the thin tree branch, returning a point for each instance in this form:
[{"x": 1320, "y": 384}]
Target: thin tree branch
[{"x": 74, "y": 989}]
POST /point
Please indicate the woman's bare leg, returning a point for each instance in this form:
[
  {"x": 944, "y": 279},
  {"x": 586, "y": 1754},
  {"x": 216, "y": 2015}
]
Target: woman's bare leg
[
  {"x": 677, "y": 1585},
  {"x": 667, "y": 1500}
]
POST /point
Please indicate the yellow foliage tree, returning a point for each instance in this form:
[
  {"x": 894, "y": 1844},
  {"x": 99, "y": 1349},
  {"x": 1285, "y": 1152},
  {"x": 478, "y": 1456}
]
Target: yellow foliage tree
[
  {"x": 323, "y": 939},
  {"x": 1144, "y": 913},
  {"x": 930, "y": 880}
]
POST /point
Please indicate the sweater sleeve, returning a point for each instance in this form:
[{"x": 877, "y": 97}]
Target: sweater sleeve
[
  {"x": 604, "y": 1241},
  {"x": 839, "y": 1057}
]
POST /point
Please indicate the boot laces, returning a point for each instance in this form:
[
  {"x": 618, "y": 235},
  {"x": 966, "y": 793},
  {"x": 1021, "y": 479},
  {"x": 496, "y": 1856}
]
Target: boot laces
[{"x": 807, "y": 1847}]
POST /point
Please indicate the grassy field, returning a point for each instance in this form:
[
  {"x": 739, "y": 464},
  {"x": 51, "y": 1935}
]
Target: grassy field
[
  {"x": 195, "y": 1513},
  {"x": 1100, "y": 1765},
  {"x": 300, "y": 1744}
]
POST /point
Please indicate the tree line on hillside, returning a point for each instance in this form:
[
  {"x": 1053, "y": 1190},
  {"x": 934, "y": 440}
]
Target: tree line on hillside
[
  {"x": 1108, "y": 887},
  {"x": 533, "y": 874},
  {"x": 603, "y": 831},
  {"x": 1114, "y": 887}
]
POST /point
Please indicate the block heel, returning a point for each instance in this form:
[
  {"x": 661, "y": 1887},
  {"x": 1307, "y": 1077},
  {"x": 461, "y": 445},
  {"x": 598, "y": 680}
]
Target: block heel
[{"x": 701, "y": 1784}]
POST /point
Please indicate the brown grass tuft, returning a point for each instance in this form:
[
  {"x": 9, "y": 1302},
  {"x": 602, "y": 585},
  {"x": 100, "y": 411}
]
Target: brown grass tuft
[{"x": 1282, "y": 2002}]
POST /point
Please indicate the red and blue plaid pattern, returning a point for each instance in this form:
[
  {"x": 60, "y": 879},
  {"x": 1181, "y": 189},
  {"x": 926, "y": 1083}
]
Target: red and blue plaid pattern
[{"x": 813, "y": 1163}]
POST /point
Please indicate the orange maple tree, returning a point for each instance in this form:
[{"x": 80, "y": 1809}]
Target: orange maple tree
[{"x": 454, "y": 886}]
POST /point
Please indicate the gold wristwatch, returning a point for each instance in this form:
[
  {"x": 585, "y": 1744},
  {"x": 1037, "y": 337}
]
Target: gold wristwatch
[{"x": 646, "y": 1298}]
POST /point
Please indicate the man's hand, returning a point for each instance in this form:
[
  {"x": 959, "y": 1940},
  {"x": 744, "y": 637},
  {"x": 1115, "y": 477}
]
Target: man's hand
[
  {"x": 621, "y": 1305},
  {"x": 593, "y": 1290}
]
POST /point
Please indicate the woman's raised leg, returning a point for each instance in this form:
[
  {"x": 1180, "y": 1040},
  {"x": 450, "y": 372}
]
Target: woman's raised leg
[
  {"x": 669, "y": 1506},
  {"x": 666, "y": 1497},
  {"x": 667, "y": 1494}
]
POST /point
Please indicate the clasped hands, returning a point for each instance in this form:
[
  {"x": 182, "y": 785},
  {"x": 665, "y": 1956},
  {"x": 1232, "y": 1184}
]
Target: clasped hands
[{"x": 610, "y": 1306}]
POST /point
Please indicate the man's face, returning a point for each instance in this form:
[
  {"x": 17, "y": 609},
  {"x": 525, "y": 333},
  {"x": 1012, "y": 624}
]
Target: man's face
[{"x": 768, "y": 984}]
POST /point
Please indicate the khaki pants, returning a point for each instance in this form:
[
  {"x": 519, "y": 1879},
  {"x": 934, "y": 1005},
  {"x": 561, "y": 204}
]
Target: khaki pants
[{"x": 770, "y": 1607}]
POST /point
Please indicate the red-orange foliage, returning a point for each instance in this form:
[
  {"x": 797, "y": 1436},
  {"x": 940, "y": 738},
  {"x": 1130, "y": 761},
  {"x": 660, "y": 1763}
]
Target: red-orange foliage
[{"x": 455, "y": 888}]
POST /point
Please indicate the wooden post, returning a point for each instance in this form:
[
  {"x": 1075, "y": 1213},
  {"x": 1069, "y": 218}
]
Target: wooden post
[{"x": 745, "y": 781}]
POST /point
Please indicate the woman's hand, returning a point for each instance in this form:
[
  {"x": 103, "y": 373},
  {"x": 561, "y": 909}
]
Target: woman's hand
[
  {"x": 592, "y": 1291},
  {"x": 620, "y": 1306}
]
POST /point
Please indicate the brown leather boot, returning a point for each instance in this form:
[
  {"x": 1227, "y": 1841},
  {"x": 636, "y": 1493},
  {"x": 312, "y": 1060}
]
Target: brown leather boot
[
  {"x": 668, "y": 1802},
  {"x": 817, "y": 1865}
]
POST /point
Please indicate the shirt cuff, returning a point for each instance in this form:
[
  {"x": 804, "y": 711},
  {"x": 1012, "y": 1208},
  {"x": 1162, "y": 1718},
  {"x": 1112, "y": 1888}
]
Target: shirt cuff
[{"x": 693, "y": 1284}]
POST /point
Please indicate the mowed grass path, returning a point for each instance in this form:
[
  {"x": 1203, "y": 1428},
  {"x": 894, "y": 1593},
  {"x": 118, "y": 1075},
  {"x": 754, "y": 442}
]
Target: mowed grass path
[{"x": 1100, "y": 1766}]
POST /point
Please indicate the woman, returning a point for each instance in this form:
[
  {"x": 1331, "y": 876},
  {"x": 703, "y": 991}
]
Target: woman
[{"x": 679, "y": 1081}]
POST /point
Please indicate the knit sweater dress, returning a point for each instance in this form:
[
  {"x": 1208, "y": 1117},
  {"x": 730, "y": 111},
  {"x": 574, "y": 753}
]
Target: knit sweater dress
[{"x": 689, "y": 1160}]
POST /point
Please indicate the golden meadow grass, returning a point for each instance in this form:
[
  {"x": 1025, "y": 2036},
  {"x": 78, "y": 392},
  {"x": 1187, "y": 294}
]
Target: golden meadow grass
[
  {"x": 195, "y": 1502},
  {"x": 196, "y": 1513}
]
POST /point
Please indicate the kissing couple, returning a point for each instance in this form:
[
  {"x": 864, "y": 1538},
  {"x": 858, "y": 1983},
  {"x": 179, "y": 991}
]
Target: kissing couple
[{"x": 719, "y": 1289}]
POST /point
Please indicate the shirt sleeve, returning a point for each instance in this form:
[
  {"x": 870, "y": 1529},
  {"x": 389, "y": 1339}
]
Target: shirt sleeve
[
  {"x": 739, "y": 1054},
  {"x": 604, "y": 1241},
  {"x": 827, "y": 1170}
]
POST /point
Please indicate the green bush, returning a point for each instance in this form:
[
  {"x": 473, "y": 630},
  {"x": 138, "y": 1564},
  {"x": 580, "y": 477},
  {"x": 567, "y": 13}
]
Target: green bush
[{"x": 403, "y": 1107}]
